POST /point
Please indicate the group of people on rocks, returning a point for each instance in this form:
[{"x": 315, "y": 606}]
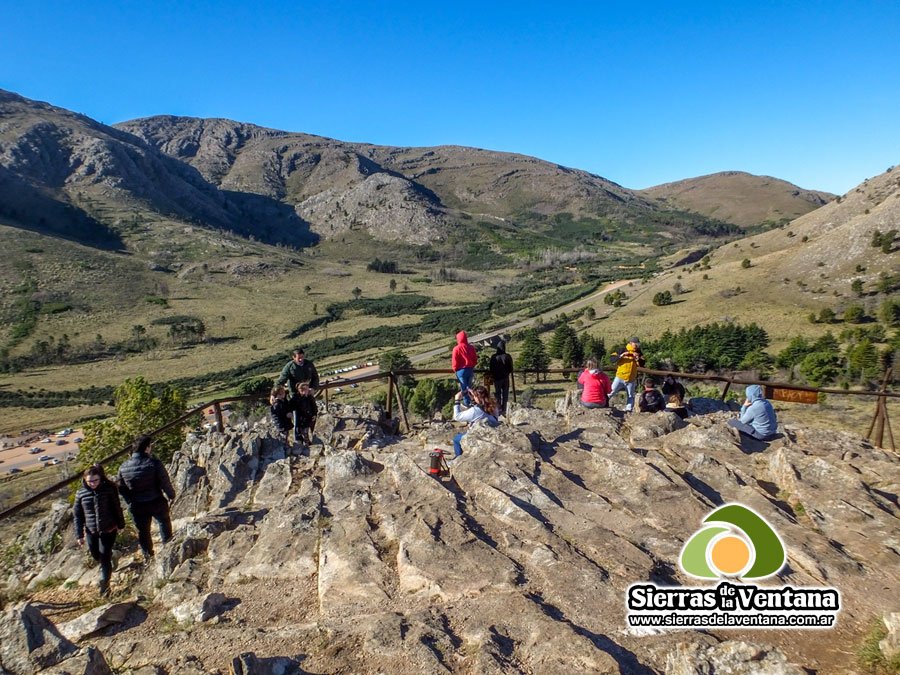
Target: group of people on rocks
[
  {"x": 298, "y": 412},
  {"x": 144, "y": 484},
  {"x": 757, "y": 418}
]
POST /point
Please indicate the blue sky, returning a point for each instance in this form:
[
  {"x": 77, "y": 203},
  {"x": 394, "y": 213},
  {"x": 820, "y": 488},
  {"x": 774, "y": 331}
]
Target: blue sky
[{"x": 640, "y": 93}]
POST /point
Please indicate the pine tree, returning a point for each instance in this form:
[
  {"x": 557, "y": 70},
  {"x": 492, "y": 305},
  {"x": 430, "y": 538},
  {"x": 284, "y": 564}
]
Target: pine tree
[{"x": 139, "y": 410}]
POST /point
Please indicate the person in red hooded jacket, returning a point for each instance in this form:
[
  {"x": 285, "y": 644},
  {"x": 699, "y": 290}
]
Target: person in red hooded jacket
[{"x": 463, "y": 361}]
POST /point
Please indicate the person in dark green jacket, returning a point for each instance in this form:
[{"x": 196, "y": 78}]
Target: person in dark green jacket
[{"x": 298, "y": 369}]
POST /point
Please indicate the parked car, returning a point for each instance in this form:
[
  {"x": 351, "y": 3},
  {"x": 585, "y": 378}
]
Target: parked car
[
  {"x": 15, "y": 470},
  {"x": 54, "y": 461},
  {"x": 78, "y": 440},
  {"x": 61, "y": 441},
  {"x": 47, "y": 440},
  {"x": 34, "y": 451},
  {"x": 44, "y": 458}
]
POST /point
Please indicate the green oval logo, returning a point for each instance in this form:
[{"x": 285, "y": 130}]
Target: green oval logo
[{"x": 734, "y": 542}]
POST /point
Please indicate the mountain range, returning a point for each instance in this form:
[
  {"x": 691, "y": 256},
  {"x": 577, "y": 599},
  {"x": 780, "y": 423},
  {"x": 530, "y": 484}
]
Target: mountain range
[{"x": 65, "y": 174}]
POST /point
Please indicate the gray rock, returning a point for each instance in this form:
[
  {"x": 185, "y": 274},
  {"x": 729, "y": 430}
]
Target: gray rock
[
  {"x": 733, "y": 657},
  {"x": 890, "y": 645},
  {"x": 200, "y": 609},
  {"x": 647, "y": 426},
  {"x": 251, "y": 664},
  {"x": 89, "y": 661},
  {"x": 29, "y": 642},
  {"x": 96, "y": 620}
]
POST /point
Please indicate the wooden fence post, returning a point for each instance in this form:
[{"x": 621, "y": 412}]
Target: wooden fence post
[
  {"x": 220, "y": 422},
  {"x": 725, "y": 390},
  {"x": 390, "y": 395}
]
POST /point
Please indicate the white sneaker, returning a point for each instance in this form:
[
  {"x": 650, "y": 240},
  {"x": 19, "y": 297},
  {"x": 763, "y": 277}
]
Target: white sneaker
[{"x": 628, "y": 408}]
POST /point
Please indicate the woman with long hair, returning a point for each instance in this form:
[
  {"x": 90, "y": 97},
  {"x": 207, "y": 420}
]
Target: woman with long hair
[
  {"x": 483, "y": 408},
  {"x": 98, "y": 518}
]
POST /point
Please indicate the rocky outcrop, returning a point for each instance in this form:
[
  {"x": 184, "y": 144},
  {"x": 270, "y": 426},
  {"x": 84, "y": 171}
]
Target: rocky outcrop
[
  {"x": 29, "y": 642},
  {"x": 351, "y": 557}
]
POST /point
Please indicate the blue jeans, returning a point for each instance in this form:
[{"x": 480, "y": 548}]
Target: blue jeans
[
  {"x": 749, "y": 431},
  {"x": 619, "y": 384},
  {"x": 457, "y": 443},
  {"x": 465, "y": 376}
]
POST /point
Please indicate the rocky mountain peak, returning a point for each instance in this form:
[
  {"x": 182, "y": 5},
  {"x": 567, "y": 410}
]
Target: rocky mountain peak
[{"x": 352, "y": 558}]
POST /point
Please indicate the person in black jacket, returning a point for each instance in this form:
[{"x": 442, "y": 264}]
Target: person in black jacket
[
  {"x": 280, "y": 409},
  {"x": 145, "y": 486},
  {"x": 295, "y": 371},
  {"x": 98, "y": 517},
  {"x": 651, "y": 400},
  {"x": 305, "y": 412},
  {"x": 501, "y": 367}
]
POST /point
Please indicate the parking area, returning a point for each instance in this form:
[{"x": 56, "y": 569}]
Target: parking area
[{"x": 34, "y": 452}]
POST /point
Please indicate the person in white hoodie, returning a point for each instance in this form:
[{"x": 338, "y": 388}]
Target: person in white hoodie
[{"x": 483, "y": 408}]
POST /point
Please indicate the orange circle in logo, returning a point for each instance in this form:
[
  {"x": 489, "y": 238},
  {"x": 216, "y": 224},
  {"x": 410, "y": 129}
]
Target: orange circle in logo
[{"x": 730, "y": 554}]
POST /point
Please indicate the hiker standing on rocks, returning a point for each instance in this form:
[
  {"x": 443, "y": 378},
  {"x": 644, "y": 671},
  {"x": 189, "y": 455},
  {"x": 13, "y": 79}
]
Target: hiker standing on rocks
[
  {"x": 594, "y": 386},
  {"x": 305, "y": 412},
  {"x": 627, "y": 363},
  {"x": 280, "y": 410},
  {"x": 463, "y": 361},
  {"x": 145, "y": 486},
  {"x": 484, "y": 408},
  {"x": 758, "y": 418},
  {"x": 298, "y": 369},
  {"x": 98, "y": 518},
  {"x": 501, "y": 367}
]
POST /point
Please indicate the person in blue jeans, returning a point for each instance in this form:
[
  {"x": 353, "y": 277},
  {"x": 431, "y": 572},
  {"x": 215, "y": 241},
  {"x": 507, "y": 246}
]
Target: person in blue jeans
[
  {"x": 463, "y": 361},
  {"x": 758, "y": 418},
  {"x": 483, "y": 408}
]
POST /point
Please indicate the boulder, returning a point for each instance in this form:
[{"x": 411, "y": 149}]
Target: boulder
[
  {"x": 199, "y": 609},
  {"x": 890, "y": 645},
  {"x": 89, "y": 661},
  {"x": 732, "y": 656},
  {"x": 96, "y": 620},
  {"x": 29, "y": 642}
]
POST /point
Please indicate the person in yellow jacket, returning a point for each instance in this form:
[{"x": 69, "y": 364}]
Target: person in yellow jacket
[{"x": 627, "y": 362}]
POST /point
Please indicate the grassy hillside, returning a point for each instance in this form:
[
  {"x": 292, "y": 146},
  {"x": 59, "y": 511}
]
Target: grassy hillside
[{"x": 741, "y": 198}]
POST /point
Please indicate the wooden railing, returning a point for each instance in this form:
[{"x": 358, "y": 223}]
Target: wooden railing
[{"x": 880, "y": 422}]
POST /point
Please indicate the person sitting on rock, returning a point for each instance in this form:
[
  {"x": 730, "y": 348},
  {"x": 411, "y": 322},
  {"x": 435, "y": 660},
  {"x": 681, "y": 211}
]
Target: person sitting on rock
[
  {"x": 651, "y": 399},
  {"x": 758, "y": 418},
  {"x": 98, "y": 518},
  {"x": 627, "y": 363},
  {"x": 594, "y": 385},
  {"x": 674, "y": 393},
  {"x": 305, "y": 412},
  {"x": 145, "y": 486},
  {"x": 280, "y": 410},
  {"x": 483, "y": 408}
]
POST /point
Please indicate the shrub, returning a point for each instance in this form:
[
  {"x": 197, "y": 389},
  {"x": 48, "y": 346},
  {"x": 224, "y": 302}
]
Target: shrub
[{"x": 662, "y": 298}]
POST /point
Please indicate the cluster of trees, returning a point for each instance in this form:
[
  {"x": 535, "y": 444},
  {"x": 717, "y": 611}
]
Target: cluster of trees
[
  {"x": 383, "y": 266},
  {"x": 725, "y": 346},
  {"x": 884, "y": 240},
  {"x": 823, "y": 361},
  {"x": 662, "y": 298},
  {"x": 616, "y": 298}
]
